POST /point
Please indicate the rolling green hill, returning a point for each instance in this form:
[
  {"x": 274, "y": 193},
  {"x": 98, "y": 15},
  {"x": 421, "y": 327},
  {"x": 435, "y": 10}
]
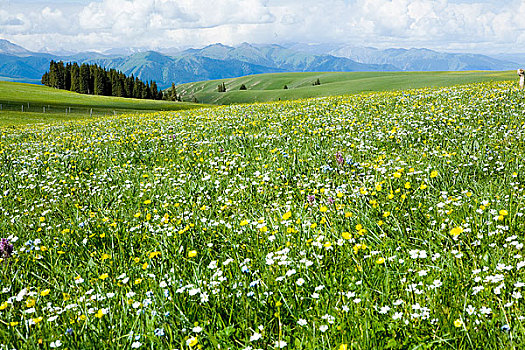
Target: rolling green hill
[
  {"x": 26, "y": 103},
  {"x": 269, "y": 87}
]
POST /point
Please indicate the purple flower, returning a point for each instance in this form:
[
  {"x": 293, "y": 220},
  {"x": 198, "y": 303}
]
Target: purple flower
[
  {"x": 331, "y": 200},
  {"x": 339, "y": 158},
  {"x": 311, "y": 199},
  {"x": 6, "y": 249}
]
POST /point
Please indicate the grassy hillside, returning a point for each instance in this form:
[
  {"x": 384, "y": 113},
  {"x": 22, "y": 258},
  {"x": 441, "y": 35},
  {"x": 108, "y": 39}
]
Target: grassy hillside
[
  {"x": 43, "y": 104},
  {"x": 390, "y": 220},
  {"x": 269, "y": 87}
]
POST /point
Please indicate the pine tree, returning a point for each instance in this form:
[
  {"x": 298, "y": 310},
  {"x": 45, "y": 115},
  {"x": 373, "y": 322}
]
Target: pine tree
[
  {"x": 137, "y": 88},
  {"x": 99, "y": 81},
  {"x": 60, "y": 75},
  {"x": 122, "y": 85},
  {"x": 75, "y": 78},
  {"x": 45, "y": 79},
  {"x": 67, "y": 77},
  {"x": 146, "y": 91},
  {"x": 154, "y": 91},
  {"x": 115, "y": 83},
  {"x": 128, "y": 86},
  {"x": 173, "y": 93},
  {"x": 53, "y": 74},
  {"x": 85, "y": 78}
]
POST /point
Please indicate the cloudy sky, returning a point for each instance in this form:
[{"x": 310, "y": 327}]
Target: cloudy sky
[{"x": 484, "y": 26}]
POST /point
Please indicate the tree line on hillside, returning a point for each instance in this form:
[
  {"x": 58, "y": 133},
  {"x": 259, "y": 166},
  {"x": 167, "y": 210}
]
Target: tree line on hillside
[{"x": 92, "y": 79}]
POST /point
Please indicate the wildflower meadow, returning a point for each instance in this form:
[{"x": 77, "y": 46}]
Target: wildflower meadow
[{"x": 386, "y": 220}]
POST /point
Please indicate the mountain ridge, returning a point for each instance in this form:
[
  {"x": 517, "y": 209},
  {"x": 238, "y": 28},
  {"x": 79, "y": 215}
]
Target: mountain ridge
[{"x": 219, "y": 61}]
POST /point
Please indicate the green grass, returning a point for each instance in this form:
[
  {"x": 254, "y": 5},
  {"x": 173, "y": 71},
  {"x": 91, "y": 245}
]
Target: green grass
[
  {"x": 389, "y": 220},
  {"x": 42, "y": 104},
  {"x": 269, "y": 87}
]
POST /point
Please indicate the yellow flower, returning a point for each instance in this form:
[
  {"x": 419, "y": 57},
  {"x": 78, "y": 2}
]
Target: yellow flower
[
  {"x": 153, "y": 254},
  {"x": 4, "y": 305},
  {"x": 348, "y": 215},
  {"x": 244, "y": 223},
  {"x": 192, "y": 253},
  {"x": 386, "y": 214},
  {"x": 38, "y": 319},
  {"x": 340, "y": 194},
  {"x": 147, "y": 201},
  {"x": 287, "y": 215},
  {"x": 458, "y": 323},
  {"x": 397, "y": 175},
  {"x": 456, "y": 231},
  {"x": 45, "y": 292},
  {"x": 30, "y": 302},
  {"x": 423, "y": 186},
  {"x": 434, "y": 173},
  {"x": 343, "y": 347},
  {"x": 103, "y": 276},
  {"x": 13, "y": 323},
  {"x": 99, "y": 313},
  {"x": 323, "y": 209},
  {"x": 380, "y": 261},
  {"x": 105, "y": 256},
  {"x": 346, "y": 235},
  {"x": 503, "y": 212},
  {"x": 407, "y": 185},
  {"x": 192, "y": 341}
]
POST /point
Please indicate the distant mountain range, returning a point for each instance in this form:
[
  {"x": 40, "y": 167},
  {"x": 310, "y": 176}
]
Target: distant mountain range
[{"x": 218, "y": 61}]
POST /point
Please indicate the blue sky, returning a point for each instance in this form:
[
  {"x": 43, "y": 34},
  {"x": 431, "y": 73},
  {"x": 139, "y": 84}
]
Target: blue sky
[{"x": 482, "y": 26}]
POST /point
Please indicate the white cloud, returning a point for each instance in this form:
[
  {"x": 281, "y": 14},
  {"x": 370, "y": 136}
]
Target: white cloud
[{"x": 476, "y": 25}]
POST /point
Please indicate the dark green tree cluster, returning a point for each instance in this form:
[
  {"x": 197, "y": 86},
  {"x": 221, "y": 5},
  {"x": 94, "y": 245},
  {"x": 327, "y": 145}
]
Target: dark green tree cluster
[
  {"x": 221, "y": 87},
  {"x": 94, "y": 80},
  {"x": 171, "y": 94}
]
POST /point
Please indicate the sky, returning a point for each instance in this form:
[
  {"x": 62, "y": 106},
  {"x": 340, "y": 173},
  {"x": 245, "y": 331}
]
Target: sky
[{"x": 478, "y": 26}]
